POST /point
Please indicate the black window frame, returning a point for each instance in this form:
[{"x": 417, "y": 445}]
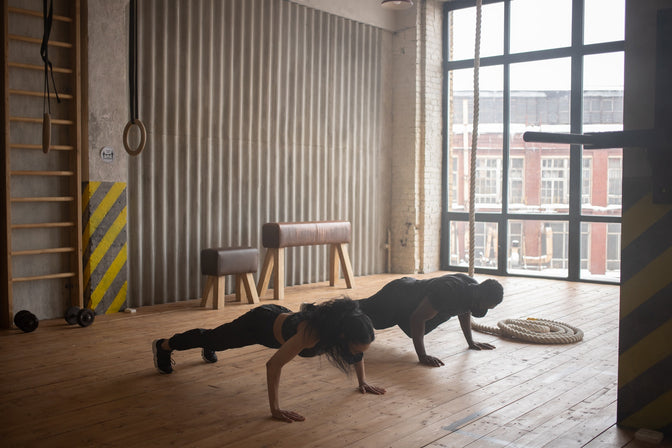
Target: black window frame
[{"x": 576, "y": 52}]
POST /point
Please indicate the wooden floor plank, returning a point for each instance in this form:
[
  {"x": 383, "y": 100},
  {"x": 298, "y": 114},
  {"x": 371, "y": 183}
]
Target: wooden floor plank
[
  {"x": 477, "y": 403},
  {"x": 69, "y": 386},
  {"x": 618, "y": 437}
]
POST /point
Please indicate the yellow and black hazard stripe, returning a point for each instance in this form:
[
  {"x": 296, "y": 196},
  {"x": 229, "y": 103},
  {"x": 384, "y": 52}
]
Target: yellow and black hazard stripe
[
  {"x": 645, "y": 331},
  {"x": 104, "y": 241}
]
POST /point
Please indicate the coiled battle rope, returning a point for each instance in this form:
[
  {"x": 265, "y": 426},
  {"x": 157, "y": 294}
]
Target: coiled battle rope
[{"x": 540, "y": 331}]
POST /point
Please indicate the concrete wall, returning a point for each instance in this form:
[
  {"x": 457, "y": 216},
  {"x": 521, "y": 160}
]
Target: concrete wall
[
  {"x": 645, "y": 330},
  {"x": 106, "y": 85},
  {"x": 104, "y": 178}
]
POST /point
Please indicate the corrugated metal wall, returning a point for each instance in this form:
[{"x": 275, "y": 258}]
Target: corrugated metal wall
[{"x": 256, "y": 111}]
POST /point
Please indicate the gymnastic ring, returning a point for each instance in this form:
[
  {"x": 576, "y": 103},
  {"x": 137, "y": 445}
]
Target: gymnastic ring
[{"x": 143, "y": 137}]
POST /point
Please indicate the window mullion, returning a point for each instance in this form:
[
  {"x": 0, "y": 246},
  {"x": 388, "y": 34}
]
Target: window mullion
[
  {"x": 576, "y": 153},
  {"x": 503, "y": 229}
]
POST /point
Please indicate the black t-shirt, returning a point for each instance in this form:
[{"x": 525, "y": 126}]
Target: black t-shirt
[{"x": 396, "y": 302}]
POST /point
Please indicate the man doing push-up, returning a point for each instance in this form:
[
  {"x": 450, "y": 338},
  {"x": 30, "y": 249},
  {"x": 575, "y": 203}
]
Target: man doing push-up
[{"x": 419, "y": 306}]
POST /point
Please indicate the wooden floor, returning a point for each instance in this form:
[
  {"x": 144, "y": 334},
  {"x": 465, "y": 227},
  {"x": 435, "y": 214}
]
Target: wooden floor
[{"x": 97, "y": 386}]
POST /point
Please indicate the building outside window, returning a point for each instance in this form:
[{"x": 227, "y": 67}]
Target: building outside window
[
  {"x": 516, "y": 180},
  {"x": 586, "y": 176},
  {"x": 559, "y": 254},
  {"x": 547, "y": 68},
  {"x": 585, "y": 246},
  {"x": 488, "y": 180},
  {"x": 614, "y": 175},
  {"x": 453, "y": 182},
  {"x": 613, "y": 247},
  {"x": 555, "y": 181}
]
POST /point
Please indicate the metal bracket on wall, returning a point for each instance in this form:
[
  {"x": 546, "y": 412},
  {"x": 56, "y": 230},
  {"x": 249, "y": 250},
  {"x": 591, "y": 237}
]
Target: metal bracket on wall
[{"x": 657, "y": 141}]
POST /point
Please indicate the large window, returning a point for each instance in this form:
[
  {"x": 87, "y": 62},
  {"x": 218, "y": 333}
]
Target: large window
[{"x": 541, "y": 209}]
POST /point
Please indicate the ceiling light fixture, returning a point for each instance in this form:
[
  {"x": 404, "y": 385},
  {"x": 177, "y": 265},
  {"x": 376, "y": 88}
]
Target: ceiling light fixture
[{"x": 397, "y": 4}]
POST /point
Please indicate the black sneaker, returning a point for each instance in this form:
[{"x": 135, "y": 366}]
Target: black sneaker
[
  {"x": 162, "y": 358},
  {"x": 209, "y": 355}
]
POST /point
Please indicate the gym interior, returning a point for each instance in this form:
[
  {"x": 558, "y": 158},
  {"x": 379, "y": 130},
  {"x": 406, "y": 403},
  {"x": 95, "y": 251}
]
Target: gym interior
[{"x": 140, "y": 134}]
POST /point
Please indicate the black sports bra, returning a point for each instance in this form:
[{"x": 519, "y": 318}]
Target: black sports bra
[{"x": 289, "y": 327}]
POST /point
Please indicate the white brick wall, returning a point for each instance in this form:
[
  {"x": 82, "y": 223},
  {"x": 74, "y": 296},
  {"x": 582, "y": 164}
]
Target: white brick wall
[
  {"x": 417, "y": 139},
  {"x": 404, "y": 207}
]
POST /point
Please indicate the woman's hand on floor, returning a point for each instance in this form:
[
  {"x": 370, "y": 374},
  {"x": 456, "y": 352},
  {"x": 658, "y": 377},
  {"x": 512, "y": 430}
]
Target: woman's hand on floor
[
  {"x": 287, "y": 416},
  {"x": 481, "y": 346},
  {"x": 431, "y": 361},
  {"x": 367, "y": 388}
]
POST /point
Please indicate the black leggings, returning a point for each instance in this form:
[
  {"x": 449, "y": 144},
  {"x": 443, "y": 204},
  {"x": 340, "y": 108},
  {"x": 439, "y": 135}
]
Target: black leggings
[{"x": 253, "y": 327}]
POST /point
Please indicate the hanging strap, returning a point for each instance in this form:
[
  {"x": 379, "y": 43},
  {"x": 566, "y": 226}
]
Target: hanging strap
[
  {"x": 133, "y": 84},
  {"x": 474, "y": 140},
  {"x": 133, "y": 61},
  {"x": 48, "y": 14}
]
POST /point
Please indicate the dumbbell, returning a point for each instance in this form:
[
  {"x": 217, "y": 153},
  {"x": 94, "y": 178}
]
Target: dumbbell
[
  {"x": 82, "y": 316},
  {"x": 26, "y": 321}
]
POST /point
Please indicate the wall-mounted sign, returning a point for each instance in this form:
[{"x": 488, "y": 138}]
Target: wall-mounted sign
[{"x": 107, "y": 154}]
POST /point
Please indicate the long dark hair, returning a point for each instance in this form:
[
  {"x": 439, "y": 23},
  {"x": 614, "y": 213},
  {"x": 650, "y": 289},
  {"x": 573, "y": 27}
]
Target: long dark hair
[{"x": 338, "y": 323}]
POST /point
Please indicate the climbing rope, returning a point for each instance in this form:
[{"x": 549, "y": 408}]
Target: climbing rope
[
  {"x": 474, "y": 139},
  {"x": 540, "y": 331}
]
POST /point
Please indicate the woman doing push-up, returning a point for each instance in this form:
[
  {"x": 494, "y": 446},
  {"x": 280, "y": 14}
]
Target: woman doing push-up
[{"x": 337, "y": 329}]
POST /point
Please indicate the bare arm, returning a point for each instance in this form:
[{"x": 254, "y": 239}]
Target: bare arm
[
  {"x": 285, "y": 353},
  {"x": 363, "y": 386},
  {"x": 465, "y": 323},
  {"x": 422, "y": 314}
]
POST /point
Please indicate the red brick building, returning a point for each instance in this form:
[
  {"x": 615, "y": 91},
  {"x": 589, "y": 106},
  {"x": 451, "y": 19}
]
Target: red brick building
[{"x": 538, "y": 182}]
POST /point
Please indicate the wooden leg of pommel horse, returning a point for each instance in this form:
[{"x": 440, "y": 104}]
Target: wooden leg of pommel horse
[
  {"x": 273, "y": 263},
  {"x": 245, "y": 288},
  {"x": 214, "y": 292},
  {"x": 340, "y": 252}
]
